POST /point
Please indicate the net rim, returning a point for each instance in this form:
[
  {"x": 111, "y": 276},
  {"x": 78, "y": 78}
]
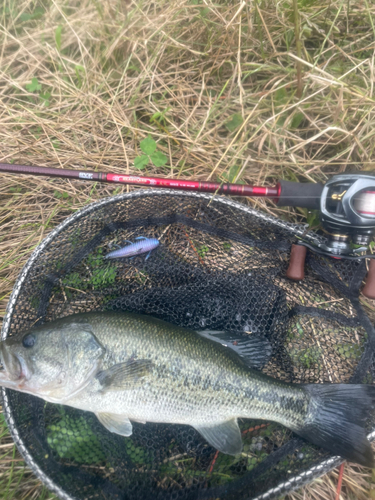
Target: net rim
[{"x": 295, "y": 229}]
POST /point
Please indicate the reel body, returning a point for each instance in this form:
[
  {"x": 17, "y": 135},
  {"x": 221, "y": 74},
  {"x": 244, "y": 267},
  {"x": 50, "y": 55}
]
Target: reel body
[{"x": 347, "y": 213}]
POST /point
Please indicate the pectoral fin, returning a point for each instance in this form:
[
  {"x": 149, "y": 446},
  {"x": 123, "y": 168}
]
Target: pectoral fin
[
  {"x": 116, "y": 423},
  {"x": 225, "y": 437},
  {"x": 125, "y": 376}
]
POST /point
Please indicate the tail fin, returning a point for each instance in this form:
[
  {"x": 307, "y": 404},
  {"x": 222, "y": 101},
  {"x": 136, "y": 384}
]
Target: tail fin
[{"x": 336, "y": 419}]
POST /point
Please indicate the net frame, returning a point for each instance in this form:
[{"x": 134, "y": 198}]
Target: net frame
[{"x": 293, "y": 229}]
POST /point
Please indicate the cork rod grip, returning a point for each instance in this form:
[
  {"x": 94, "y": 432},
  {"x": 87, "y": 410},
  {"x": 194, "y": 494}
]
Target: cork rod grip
[{"x": 369, "y": 288}]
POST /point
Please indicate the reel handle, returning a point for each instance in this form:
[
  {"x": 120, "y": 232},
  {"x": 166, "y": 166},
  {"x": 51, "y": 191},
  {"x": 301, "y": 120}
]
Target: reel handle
[
  {"x": 296, "y": 269},
  {"x": 369, "y": 288}
]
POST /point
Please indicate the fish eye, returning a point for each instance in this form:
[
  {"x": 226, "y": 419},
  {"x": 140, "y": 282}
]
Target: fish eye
[{"x": 28, "y": 340}]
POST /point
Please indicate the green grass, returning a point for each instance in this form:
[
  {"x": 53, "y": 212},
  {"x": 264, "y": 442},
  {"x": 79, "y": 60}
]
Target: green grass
[
  {"x": 219, "y": 90},
  {"x": 72, "y": 439}
]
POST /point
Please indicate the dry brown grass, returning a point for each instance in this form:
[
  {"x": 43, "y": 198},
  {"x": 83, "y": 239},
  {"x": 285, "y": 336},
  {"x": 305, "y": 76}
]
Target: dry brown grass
[
  {"x": 355, "y": 486},
  {"x": 177, "y": 70}
]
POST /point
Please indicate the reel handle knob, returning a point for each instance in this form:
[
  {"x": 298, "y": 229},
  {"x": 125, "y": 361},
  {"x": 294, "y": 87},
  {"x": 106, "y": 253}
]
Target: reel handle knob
[
  {"x": 296, "y": 269},
  {"x": 369, "y": 288}
]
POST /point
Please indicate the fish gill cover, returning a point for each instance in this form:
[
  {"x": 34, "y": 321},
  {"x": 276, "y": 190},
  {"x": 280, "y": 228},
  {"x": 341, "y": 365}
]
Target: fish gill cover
[{"x": 219, "y": 266}]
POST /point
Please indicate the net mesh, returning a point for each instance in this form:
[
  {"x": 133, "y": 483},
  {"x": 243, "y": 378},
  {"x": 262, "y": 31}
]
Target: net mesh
[{"x": 218, "y": 266}]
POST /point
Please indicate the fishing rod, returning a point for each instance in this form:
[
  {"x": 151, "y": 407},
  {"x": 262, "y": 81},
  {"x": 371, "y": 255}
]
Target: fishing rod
[
  {"x": 284, "y": 193},
  {"x": 346, "y": 205}
]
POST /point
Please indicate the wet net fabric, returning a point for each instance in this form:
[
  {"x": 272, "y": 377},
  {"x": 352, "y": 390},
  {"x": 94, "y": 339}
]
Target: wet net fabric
[{"x": 219, "y": 266}]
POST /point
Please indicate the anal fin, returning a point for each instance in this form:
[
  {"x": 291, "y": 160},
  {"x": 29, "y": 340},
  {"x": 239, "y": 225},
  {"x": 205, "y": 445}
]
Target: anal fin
[{"x": 225, "y": 436}]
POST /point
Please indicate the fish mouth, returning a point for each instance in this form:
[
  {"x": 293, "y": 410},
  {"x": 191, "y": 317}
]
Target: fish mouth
[{"x": 10, "y": 368}]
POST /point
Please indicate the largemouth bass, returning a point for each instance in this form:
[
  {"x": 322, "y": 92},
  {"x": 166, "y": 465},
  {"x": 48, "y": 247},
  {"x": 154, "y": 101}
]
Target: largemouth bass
[{"x": 125, "y": 367}]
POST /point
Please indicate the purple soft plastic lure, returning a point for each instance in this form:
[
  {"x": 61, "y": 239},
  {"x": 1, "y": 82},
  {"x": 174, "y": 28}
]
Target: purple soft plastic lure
[{"x": 145, "y": 245}]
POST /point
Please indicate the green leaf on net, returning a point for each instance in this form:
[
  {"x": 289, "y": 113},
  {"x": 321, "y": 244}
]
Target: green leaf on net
[
  {"x": 140, "y": 162},
  {"x": 73, "y": 439},
  {"x": 148, "y": 146},
  {"x": 158, "y": 159}
]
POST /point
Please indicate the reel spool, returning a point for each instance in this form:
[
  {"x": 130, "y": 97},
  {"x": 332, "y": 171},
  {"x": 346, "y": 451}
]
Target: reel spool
[
  {"x": 365, "y": 203},
  {"x": 347, "y": 213}
]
